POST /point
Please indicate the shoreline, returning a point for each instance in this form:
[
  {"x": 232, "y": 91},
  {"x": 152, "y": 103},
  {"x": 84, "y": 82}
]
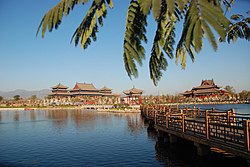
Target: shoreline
[
  {"x": 73, "y": 108},
  {"x": 119, "y": 110},
  {"x": 133, "y": 110}
]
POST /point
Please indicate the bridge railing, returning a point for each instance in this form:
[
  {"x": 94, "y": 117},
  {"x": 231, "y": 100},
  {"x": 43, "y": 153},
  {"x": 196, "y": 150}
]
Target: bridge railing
[{"x": 220, "y": 126}]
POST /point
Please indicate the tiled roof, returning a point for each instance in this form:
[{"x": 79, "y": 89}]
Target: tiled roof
[
  {"x": 60, "y": 93},
  {"x": 205, "y": 87},
  {"x": 86, "y": 93},
  {"x": 202, "y": 91},
  {"x": 105, "y": 89},
  {"x": 207, "y": 82},
  {"x": 187, "y": 92},
  {"x": 133, "y": 91},
  {"x": 59, "y": 86},
  {"x": 84, "y": 86}
]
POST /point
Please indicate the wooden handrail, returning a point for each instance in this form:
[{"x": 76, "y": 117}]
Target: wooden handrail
[
  {"x": 225, "y": 126},
  {"x": 246, "y": 128}
]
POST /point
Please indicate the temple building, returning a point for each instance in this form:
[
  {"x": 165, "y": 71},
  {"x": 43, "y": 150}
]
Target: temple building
[
  {"x": 106, "y": 91},
  {"x": 84, "y": 89},
  {"x": 82, "y": 94},
  {"x": 60, "y": 90},
  {"x": 133, "y": 96},
  {"x": 207, "y": 90}
]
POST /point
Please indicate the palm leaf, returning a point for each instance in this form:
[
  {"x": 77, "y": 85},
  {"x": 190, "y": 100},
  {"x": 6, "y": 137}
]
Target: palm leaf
[
  {"x": 145, "y": 5},
  {"x": 239, "y": 29},
  {"x": 53, "y": 18},
  {"x": 163, "y": 41},
  {"x": 134, "y": 34},
  {"x": 88, "y": 28},
  {"x": 200, "y": 16},
  {"x": 236, "y": 17},
  {"x": 156, "y": 7},
  {"x": 228, "y": 4}
]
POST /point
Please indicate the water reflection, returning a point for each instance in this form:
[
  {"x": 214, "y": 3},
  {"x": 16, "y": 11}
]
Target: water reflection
[
  {"x": 135, "y": 123},
  {"x": 84, "y": 118},
  {"x": 16, "y": 116},
  {"x": 32, "y": 116},
  {"x": 90, "y": 137},
  {"x": 58, "y": 118},
  {"x": 183, "y": 153},
  {"x": 80, "y": 119}
]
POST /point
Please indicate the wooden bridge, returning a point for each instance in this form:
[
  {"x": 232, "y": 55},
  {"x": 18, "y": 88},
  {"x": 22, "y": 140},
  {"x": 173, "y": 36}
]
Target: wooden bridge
[{"x": 224, "y": 130}]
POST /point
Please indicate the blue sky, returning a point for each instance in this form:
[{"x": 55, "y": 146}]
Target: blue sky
[{"x": 33, "y": 63}]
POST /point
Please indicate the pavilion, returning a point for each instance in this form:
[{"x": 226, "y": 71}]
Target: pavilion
[
  {"x": 83, "y": 93},
  {"x": 207, "y": 89},
  {"x": 85, "y": 89},
  {"x": 60, "y": 90},
  {"x": 133, "y": 96}
]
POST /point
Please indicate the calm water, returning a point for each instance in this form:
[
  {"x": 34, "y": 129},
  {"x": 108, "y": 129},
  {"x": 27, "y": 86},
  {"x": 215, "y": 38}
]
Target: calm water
[
  {"x": 90, "y": 138},
  {"x": 239, "y": 108}
]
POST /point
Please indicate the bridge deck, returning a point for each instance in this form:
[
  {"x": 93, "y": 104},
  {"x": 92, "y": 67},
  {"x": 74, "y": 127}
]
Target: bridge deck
[{"x": 220, "y": 129}]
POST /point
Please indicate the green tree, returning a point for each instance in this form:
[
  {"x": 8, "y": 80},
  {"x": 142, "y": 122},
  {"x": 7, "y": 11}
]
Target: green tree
[
  {"x": 244, "y": 95},
  {"x": 48, "y": 97},
  {"x": 1, "y": 98},
  {"x": 16, "y": 97},
  {"x": 230, "y": 90},
  {"x": 33, "y": 97},
  {"x": 201, "y": 18}
]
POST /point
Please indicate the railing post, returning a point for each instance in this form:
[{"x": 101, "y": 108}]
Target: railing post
[
  {"x": 155, "y": 114},
  {"x": 186, "y": 109},
  {"x": 199, "y": 112},
  {"x": 194, "y": 113},
  {"x": 166, "y": 120},
  {"x": 246, "y": 128},
  {"x": 228, "y": 117},
  {"x": 207, "y": 124},
  {"x": 183, "y": 122},
  {"x": 234, "y": 116}
]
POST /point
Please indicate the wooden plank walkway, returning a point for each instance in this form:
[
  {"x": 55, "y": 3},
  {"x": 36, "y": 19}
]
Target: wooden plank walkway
[{"x": 225, "y": 130}]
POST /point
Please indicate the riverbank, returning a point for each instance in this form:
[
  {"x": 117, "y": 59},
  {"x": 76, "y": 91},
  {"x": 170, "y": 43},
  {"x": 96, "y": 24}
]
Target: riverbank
[
  {"x": 120, "y": 110},
  {"x": 113, "y": 110},
  {"x": 39, "y": 108}
]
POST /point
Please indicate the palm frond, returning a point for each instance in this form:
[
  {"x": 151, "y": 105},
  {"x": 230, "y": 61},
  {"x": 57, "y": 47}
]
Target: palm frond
[
  {"x": 145, "y": 5},
  {"x": 53, "y": 18},
  {"x": 134, "y": 34},
  {"x": 228, "y": 4},
  {"x": 237, "y": 17},
  {"x": 239, "y": 29},
  {"x": 88, "y": 28},
  {"x": 156, "y": 7},
  {"x": 200, "y": 18},
  {"x": 110, "y": 3},
  {"x": 163, "y": 41}
]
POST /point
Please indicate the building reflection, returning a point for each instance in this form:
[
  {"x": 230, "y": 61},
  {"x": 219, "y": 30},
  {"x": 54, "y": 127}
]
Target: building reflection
[
  {"x": 16, "y": 116},
  {"x": 83, "y": 118},
  {"x": 80, "y": 118},
  {"x": 135, "y": 123},
  {"x": 33, "y": 115},
  {"x": 58, "y": 117}
]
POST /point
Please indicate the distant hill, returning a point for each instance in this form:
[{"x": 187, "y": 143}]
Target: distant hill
[{"x": 25, "y": 93}]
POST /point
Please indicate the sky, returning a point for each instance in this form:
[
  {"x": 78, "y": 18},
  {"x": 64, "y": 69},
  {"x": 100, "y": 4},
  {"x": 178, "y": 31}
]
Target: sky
[{"x": 35, "y": 63}]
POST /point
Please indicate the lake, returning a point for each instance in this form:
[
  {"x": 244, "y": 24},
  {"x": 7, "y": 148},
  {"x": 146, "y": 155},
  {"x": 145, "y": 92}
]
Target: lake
[{"x": 91, "y": 138}]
